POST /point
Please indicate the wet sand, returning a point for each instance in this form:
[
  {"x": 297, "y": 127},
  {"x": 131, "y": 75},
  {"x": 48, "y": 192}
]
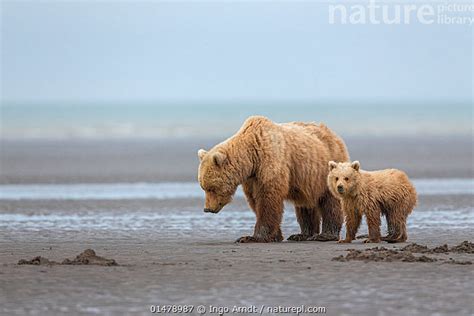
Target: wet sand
[{"x": 170, "y": 252}]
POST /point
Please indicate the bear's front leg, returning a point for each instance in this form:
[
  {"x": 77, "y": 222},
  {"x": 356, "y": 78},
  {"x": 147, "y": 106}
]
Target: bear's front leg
[
  {"x": 270, "y": 238},
  {"x": 269, "y": 212},
  {"x": 353, "y": 219}
]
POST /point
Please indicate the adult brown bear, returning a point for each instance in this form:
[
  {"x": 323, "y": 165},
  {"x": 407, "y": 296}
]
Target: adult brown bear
[{"x": 276, "y": 162}]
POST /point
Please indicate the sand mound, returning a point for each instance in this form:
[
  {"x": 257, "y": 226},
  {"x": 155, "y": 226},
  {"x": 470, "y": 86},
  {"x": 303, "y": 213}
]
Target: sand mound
[
  {"x": 87, "y": 257},
  {"x": 382, "y": 254},
  {"x": 415, "y": 248},
  {"x": 464, "y": 247},
  {"x": 38, "y": 261},
  {"x": 406, "y": 254},
  {"x": 424, "y": 249}
]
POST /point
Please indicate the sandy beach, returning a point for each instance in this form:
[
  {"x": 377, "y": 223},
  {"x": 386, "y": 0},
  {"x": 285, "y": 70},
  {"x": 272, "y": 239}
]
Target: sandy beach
[
  {"x": 104, "y": 106},
  {"x": 171, "y": 253}
]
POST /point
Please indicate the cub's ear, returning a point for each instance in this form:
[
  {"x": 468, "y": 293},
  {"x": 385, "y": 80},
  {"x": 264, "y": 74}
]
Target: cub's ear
[
  {"x": 219, "y": 158},
  {"x": 332, "y": 165},
  {"x": 355, "y": 165},
  {"x": 201, "y": 154}
]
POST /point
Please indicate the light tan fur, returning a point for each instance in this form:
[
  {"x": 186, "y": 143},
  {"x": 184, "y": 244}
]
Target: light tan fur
[
  {"x": 386, "y": 192},
  {"x": 276, "y": 162}
]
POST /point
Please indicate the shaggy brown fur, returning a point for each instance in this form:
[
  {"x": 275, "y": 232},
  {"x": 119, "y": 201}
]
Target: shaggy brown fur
[
  {"x": 373, "y": 193},
  {"x": 276, "y": 162}
]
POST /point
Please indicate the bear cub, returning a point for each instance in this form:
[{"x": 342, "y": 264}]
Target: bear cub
[{"x": 386, "y": 192}]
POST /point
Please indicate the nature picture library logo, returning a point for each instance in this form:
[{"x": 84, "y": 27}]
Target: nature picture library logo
[{"x": 401, "y": 12}]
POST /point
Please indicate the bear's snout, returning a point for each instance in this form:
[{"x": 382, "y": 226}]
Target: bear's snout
[
  {"x": 208, "y": 210},
  {"x": 340, "y": 189}
]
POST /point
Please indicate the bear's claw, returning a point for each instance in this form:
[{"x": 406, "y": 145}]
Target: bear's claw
[
  {"x": 324, "y": 237},
  {"x": 246, "y": 239},
  {"x": 298, "y": 237}
]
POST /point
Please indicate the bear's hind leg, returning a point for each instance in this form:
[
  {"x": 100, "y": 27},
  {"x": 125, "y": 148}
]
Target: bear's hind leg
[
  {"x": 332, "y": 218},
  {"x": 400, "y": 234},
  {"x": 309, "y": 220},
  {"x": 404, "y": 235},
  {"x": 390, "y": 229},
  {"x": 396, "y": 228}
]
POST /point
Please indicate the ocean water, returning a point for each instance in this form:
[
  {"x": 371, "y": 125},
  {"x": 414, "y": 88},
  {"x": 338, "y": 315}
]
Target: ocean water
[
  {"x": 104, "y": 121},
  {"x": 179, "y": 190}
]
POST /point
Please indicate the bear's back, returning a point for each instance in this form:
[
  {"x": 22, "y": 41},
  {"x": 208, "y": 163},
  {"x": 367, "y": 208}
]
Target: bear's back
[
  {"x": 335, "y": 145},
  {"x": 387, "y": 182}
]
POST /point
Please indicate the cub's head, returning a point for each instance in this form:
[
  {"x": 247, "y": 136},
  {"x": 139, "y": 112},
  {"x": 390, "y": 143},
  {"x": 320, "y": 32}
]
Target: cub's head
[
  {"x": 344, "y": 178},
  {"x": 215, "y": 180}
]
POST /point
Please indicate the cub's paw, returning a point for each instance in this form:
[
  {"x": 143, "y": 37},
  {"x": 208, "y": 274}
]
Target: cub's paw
[
  {"x": 324, "y": 237},
  {"x": 344, "y": 241},
  {"x": 369, "y": 241},
  {"x": 246, "y": 239},
  {"x": 298, "y": 237}
]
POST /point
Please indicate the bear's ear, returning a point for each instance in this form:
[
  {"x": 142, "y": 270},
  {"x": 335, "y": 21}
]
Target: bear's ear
[
  {"x": 332, "y": 165},
  {"x": 201, "y": 154},
  {"x": 219, "y": 158},
  {"x": 355, "y": 165}
]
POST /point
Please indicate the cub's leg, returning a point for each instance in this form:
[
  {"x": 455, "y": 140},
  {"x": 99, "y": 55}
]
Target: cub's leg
[
  {"x": 373, "y": 221},
  {"x": 332, "y": 218},
  {"x": 404, "y": 235},
  {"x": 309, "y": 220},
  {"x": 390, "y": 231},
  {"x": 402, "y": 212},
  {"x": 397, "y": 227},
  {"x": 353, "y": 219}
]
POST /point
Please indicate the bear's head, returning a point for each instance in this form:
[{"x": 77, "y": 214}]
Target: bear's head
[
  {"x": 344, "y": 178},
  {"x": 215, "y": 178}
]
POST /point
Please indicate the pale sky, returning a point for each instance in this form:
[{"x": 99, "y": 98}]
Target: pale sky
[{"x": 183, "y": 51}]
